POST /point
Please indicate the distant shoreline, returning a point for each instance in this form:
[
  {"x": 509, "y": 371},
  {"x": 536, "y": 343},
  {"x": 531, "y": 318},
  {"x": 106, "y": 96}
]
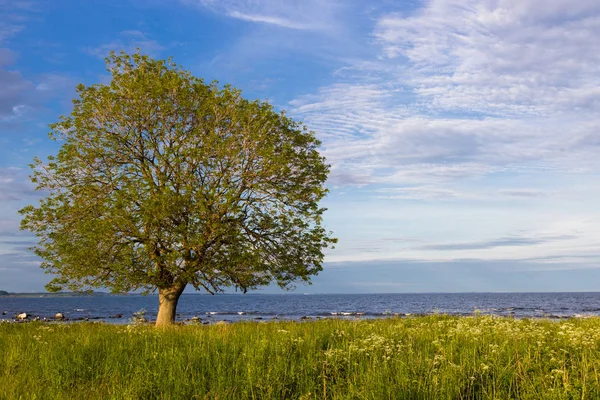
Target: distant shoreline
[{"x": 60, "y": 294}]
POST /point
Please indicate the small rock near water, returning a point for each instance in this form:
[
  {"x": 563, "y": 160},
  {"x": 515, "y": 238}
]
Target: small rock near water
[{"x": 59, "y": 316}]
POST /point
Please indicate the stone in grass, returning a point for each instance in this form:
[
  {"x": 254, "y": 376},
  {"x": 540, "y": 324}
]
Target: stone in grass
[
  {"x": 21, "y": 316},
  {"x": 139, "y": 317}
]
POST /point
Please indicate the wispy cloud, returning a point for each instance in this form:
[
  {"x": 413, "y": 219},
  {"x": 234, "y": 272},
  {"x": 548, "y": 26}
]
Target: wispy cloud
[
  {"x": 527, "y": 193},
  {"x": 457, "y": 276},
  {"x": 475, "y": 86},
  {"x": 420, "y": 193},
  {"x": 507, "y": 58},
  {"x": 438, "y": 189},
  {"x": 128, "y": 41},
  {"x": 20, "y": 5},
  {"x": 300, "y": 15},
  {"x": 508, "y": 241},
  {"x": 13, "y": 15},
  {"x": 22, "y": 96},
  {"x": 266, "y": 19},
  {"x": 15, "y": 185},
  {"x": 13, "y": 94}
]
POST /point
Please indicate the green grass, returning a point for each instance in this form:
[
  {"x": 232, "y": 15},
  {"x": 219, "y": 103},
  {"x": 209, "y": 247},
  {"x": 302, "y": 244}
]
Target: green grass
[{"x": 436, "y": 357}]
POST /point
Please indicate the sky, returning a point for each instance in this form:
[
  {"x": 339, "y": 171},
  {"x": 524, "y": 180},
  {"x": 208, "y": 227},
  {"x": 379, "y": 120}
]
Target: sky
[{"x": 463, "y": 135}]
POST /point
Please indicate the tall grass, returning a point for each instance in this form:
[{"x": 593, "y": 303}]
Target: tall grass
[{"x": 436, "y": 357}]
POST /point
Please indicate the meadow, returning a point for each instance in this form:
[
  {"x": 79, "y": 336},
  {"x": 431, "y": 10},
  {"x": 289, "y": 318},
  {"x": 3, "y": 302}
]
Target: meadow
[{"x": 426, "y": 357}]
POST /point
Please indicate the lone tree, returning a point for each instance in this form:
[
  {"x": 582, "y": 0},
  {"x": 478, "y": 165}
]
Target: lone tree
[{"x": 164, "y": 181}]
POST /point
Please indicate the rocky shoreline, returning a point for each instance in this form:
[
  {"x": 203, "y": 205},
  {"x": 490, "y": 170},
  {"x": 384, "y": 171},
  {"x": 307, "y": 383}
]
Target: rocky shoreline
[
  {"x": 140, "y": 317},
  {"x": 58, "y": 317}
]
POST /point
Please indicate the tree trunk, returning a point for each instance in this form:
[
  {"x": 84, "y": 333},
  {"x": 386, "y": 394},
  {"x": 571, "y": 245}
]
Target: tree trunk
[{"x": 167, "y": 304}]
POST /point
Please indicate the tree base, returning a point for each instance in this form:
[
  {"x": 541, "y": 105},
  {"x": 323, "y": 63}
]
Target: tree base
[{"x": 167, "y": 305}]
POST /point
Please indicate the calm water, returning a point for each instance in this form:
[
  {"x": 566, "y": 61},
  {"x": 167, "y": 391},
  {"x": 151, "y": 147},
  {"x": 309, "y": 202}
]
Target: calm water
[{"x": 296, "y": 306}]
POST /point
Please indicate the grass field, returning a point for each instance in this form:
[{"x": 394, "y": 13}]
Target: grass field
[{"x": 434, "y": 357}]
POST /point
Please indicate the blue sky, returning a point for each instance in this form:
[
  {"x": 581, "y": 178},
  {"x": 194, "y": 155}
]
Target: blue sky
[{"x": 463, "y": 135}]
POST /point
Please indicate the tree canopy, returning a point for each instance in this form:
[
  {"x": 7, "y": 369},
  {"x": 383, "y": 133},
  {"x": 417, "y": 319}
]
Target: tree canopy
[{"x": 164, "y": 181}]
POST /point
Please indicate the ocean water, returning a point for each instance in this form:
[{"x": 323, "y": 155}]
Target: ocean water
[{"x": 234, "y": 307}]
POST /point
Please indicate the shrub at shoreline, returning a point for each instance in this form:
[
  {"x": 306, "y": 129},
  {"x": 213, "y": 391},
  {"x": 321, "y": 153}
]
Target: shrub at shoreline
[{"x": 432, "y": 357}]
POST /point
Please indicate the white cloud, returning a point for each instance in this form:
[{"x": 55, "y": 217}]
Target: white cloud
[
  {"x": 476, "y": 121},
  {"x": 486, "y": 85},
  {"x": 500, "y": 57}
]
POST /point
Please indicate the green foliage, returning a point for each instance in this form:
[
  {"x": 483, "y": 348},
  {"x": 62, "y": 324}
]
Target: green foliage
[
  {"x": 436, "y": 357},
  {"x": 163, "y": 181},
  {"x": 4, "y": 293}
]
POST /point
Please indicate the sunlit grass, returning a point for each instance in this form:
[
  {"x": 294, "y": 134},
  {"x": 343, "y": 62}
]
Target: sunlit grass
[{"x": 436, "y": 357}]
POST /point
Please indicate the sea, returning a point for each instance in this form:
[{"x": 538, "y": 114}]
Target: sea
[{"x": 121, "y": 309}]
